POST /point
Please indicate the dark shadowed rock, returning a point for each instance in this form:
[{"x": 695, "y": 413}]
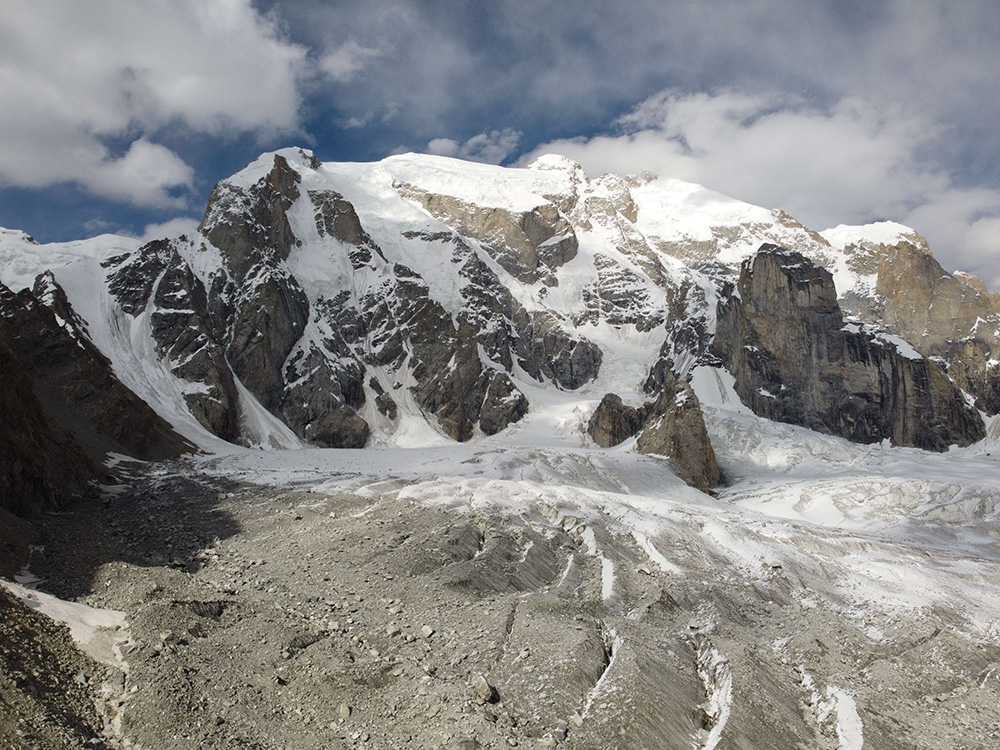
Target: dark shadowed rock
[
  {"x": 75, "y": 382},
  {"x": 40, "y": 468},
  {"x": 156, "y": 279},
  {"x": 546, "y": 351},
  {"x": 613, "y": 421},
  {"x": 502, "y": 405},
  {"x": 63, "y": 408}
]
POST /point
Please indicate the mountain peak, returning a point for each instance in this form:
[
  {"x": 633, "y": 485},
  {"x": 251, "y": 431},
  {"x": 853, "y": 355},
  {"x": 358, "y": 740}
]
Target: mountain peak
[
  {"x": 556, "y": 162},
  {"x": 422, "y": 298},
  {"x": 876, "y": 233}
]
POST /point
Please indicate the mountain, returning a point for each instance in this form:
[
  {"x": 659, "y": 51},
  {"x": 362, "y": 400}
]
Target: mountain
[
  {"x": 644, "y": 467},
  {"x": 422, "y": 299}
]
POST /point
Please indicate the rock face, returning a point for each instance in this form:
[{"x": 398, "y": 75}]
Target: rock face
[
  {"x": 63, "y": 407},
  {"x": 614, "y": 422},
  {"x": 528, "y": 244},
  {"x": 783, "y": 336},
  {"x": 39, "y": 468},
  {"x": 672, "y": 426},
  {"x": 675, "y": 428},
  {"x": 342, "y": 305},
  {"x": 951, "y": 318}
]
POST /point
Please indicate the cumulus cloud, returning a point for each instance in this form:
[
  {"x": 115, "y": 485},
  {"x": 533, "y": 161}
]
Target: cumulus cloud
[
  {"x": 490, "y": 148},
  {"x": 75, "y": 77},
  {"x": 852, "y": 162}
]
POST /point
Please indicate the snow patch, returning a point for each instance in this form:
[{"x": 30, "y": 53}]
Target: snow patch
[{"x": 98, "y": 632}]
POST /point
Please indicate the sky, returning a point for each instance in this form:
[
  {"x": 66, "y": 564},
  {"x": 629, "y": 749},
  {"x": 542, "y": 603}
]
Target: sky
[{"x": 119, "y": 116}]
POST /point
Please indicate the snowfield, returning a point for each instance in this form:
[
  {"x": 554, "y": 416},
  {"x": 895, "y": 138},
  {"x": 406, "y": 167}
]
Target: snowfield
[{"x": 869, "y": 530}]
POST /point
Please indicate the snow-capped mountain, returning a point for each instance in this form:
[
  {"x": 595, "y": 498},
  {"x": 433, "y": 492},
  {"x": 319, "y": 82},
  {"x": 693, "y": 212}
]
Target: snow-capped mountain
[
  {"x": 818, "y": 592},
  {"x": 422, "y": 299}
]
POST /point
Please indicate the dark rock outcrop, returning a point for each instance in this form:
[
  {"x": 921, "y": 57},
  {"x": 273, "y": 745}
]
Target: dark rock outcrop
[
  {"x": 503, "y": 404},
  {"x": 75, "y": 382},
  {"x": 63, "y": 407},
  {"x": 783, "y": 336},
  {"x": 671, "y": 426},
  {"x": 264, "y": 307},
  {"x": 614, "y": 422},
  {"x": 546, "y": 351},
  {"x": 250, "y": 224},
  {"x": 157, "y": 280},
  {"x": 675, "y": 427},
  {"x": 40, "y": 468}
]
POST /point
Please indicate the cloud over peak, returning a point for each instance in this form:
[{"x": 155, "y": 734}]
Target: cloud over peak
[
  {"x": 850, "y": 162},
  {"x": 491, "y": 148}
]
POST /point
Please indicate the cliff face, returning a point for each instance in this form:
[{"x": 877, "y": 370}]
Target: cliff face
[
  {"x": 783, "y": 336},
  {"x": 950, "y": 318},
  {"x": 63, "y": 407}
]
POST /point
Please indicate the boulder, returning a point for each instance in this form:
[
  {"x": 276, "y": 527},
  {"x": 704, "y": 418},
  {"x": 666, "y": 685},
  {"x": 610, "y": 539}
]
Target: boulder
[
  {"x": 613, "y": 422},
  {"x": 671, "y": 426}
]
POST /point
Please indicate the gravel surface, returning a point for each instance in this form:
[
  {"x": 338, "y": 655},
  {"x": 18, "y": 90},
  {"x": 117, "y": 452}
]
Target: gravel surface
[{"x": 285, "y": 618}]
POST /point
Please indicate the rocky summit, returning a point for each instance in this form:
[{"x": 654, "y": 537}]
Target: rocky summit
[{"x": 434, "y": 454}]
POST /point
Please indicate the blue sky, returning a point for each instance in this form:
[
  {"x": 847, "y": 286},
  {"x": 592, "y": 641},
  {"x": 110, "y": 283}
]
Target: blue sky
[{"x": 120, "y": 116}]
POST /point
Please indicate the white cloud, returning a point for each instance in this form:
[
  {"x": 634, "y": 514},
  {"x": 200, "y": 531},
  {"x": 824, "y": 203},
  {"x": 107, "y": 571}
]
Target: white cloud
[
  {"x": 75, "y": 75},
  {"x": 344, "y": 62},
  {"x": 171, "y": 228},
  {"x": 145, "y": 175},
  {"x": 850, "y": 163},
  {"x": 491, "y": 148}
]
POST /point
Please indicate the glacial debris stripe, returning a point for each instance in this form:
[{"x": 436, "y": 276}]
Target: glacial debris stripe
[{"x": 422, "y": 299}]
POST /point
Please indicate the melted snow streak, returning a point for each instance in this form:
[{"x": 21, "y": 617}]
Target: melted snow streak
[
  {"x": 603, "y": 686},
  {"x": 837, "y": 712},
  {"x": 717, "y": 678}
]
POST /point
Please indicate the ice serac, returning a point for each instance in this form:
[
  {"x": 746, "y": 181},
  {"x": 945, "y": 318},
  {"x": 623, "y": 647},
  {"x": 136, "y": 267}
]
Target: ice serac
[
  {"x": 951, "y": 318},
  {"x": 783, "y": 336}
]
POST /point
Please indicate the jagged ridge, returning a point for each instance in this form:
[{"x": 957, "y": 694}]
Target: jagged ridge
[{"x": 343, "y": 305}]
